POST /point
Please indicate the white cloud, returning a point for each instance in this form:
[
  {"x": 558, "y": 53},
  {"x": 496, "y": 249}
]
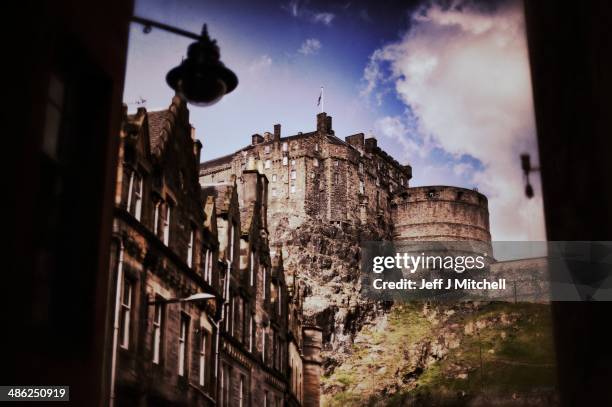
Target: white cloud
[
  {"x": 298, "y": 10},
  {"x": 325, "y": 18},
  {"x": 465, "y": 76},
  {"x": 463, "y": 168},
  {"x": 263, "y": 62},
  {"x": 310, "y": 46},
  {"x": 395, "y": 129}
]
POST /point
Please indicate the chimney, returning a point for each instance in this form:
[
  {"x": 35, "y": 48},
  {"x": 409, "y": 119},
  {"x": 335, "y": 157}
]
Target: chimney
[
  {"x": 328, "y": 125},
  {"x": 322, "y": 122},
  {"x": 256, "y": 139},
  {"x": 277, "y": 132},
  {"x": 371, "y": 144},
  {"x": 197, "y": 149},
  {"x": 356, "y": 140}
]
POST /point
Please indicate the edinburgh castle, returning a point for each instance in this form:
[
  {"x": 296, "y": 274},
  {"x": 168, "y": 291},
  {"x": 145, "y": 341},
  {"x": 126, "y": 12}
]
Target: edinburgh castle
[{"x": 238, "y": 278}]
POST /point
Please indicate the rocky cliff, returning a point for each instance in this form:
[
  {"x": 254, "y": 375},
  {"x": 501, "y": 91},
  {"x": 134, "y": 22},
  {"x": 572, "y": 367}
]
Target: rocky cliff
[{"x": 326, "y": 259}]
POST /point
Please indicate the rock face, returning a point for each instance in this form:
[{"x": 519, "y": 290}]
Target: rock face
[{"x": 326, "y": 258}]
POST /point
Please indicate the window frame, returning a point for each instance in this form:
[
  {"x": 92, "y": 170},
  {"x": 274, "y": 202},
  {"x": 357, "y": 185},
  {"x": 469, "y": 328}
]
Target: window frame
[
  {"x": 126, "y": 312},
  {"x": 183, "y": 351}
]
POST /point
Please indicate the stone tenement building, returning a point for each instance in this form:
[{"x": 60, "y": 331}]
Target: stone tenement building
[{"x": 204, "y": 314}]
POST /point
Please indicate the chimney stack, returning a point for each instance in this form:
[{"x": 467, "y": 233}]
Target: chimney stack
[
  {"x": 324, "y": 123},
  {"x": 277, "y": 132}
]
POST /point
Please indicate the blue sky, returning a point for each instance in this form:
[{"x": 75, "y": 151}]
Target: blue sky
[{"x": 443, "y": 86}]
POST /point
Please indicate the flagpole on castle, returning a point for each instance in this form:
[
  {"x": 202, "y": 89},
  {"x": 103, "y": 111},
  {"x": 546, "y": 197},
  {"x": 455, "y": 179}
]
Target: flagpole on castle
[{"x": 320, "y": 103}]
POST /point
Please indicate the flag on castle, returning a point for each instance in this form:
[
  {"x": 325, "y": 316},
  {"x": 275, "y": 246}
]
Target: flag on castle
[{"x": 320, "y": 100}]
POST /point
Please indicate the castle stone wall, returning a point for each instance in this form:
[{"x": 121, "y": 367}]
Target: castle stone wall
[{"x": 441, "y": 213}]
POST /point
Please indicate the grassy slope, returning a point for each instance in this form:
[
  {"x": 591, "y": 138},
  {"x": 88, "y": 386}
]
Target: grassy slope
[{"x": 387, "y": 366}]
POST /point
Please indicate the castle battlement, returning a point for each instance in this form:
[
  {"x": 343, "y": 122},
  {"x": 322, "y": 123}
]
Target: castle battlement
[{"x": 318, "y": 175}]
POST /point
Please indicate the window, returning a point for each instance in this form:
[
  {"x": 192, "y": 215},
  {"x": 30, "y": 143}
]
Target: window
[
  {"x": 134, "y": 203},
  {"x": 292, "y": 187},
  {"x": 267, "y": 149},
  {"x": 158, "y": 329},
  {"x": 335, "y": 163},
  {"x": 263, "y": 344},
  {"x": 360, "y": 167},
  {"x": 252, "y": 269},
  {"x": 166, "y": 225},
  {"x": 273, "y": 191},
  {"x": 234, "y": 315},
  {"x": 280, "y": 301},
  {"x": 285, "y": 159},
  {"x": 293, "y": 174},
  {"x": 361, "y": 187},
  {"x": 315, "y": 162},
  {"x": 207, "y": 265},
  {"x": 336, "y": 178},
  {"x": 227, "y": 312},
  {"x": 242, "y": 392},
  {"x": 265, "y": 400},
  {"x": 401, "y": 180},
  {"x": 377, "y": 182},
  {"x": 316, "y": 146},
  {"x": 285, "y": 147},
  {"x": 190, "y": 247},
  {"x": 293, "y": 163},
  {"x": 225, "y": 385},
  {"x": 268, "y": 164},
  {"x": 53, "y": 116},
  {"x": 250, "y": 333},
  {"x": 273, "y": 177},
  {"x": 183, "y": 332},
  {"x": 126, "y": 308},
  {"x": 231, "y": 245},
  {"x": 156, "y": 218},
  {"x": 264, "y": 277},
  {"x": 203, "y": 344}
]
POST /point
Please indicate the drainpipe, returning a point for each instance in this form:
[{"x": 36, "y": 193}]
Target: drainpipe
[
  {"x": 116, "y": 325},
  {"x": 219, "y": 324}
]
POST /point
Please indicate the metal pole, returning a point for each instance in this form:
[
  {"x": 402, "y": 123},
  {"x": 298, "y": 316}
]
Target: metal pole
[{"x": 150, "y": 23}]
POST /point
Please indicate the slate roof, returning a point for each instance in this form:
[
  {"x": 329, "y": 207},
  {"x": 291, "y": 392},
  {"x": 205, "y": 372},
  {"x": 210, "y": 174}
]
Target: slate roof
[{"x": 157, "y": 121}]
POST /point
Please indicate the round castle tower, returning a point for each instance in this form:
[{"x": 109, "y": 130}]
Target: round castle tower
[{"x": 441, "y": 213}]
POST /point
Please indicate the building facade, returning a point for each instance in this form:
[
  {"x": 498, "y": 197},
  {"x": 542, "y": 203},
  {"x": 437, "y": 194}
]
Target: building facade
[
  {"x": 202, "y": 305},
  {"x": 317, "y": 175}
]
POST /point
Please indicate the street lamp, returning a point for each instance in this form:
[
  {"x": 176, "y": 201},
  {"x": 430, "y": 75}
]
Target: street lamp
[{"x": 201, "y": 79}]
